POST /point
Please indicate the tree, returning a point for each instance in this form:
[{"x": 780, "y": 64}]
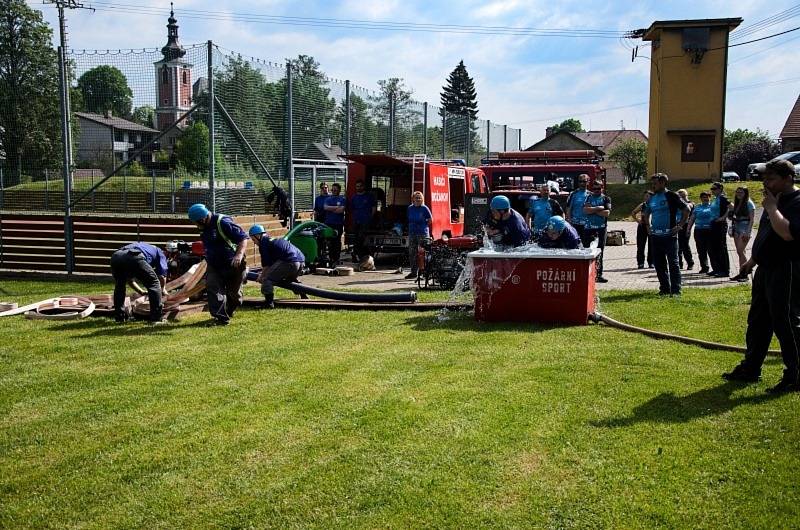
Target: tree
[
  {"x": 29, "y": 93},
  {"x": 144, "y": 115},
  {"x": 631, "y": 157},
  {"x": 191, "y": 149},
  {"x": 106, "y": 88},
  {"x": 732, "y": 139},
  {"x": 570, "y": 125},
  {"x": 458, "y": 96},
  {"x": 313, "y": 108},
  {"x": 749, "y": 152},
  {"x": 405, "y": 115}
]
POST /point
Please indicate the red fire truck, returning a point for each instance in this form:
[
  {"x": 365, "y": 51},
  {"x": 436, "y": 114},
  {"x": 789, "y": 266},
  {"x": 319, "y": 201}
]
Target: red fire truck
[
  {"x": 392, "y": 180},
  {"x": 519, "y": 174}
]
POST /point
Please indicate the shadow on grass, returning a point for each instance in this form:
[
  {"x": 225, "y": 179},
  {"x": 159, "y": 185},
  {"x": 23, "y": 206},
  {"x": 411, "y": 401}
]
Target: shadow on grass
[
  {"x": 669, "y": 408},
  {"x": 464, "y": 321},
  {"x": 106, "y": 327}
]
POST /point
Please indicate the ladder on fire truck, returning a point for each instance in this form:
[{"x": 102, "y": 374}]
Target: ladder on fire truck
[{"x": 418, "y": 173}]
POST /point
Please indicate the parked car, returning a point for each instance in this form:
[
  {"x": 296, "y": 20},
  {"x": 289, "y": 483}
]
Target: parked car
[
  {"x": 753, "y": 170},
  {"x": 730, "y": 176}
]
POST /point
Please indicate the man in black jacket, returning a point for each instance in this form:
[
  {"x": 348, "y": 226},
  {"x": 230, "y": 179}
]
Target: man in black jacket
[
  {"x": 775, "y": 304},
  {"x": 718, "y": 246}
]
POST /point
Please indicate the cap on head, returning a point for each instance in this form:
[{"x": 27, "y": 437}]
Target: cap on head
[
  {"x": 556, "y": 224},
  {"x": 256, "y": 229},
  {"x": 781, "y": 168},
  {"x": 500, "y": 202},
  {"x": 661, "y": 177},
  {"x": 198, "y": 212}
]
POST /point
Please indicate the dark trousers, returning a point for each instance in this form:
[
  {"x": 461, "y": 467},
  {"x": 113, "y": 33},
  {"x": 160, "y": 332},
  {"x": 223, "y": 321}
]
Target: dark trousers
[
  {"x": 718, "y": 250},
  {"x": 130, "y": 265},
  {"x": 665, "y": 260},
  {"x": 580, "y": 229},
  {"x": 360, "y": 250},
  {"x": 641, "y": 243},
  {"x": 684, "y": 251},
  {"x": 702, "y": 241},
  {"x": 335, "y": 245},
  {"x": 224, "y": 288},
  {"x": 279, "y": 272},
  {"x": 589, "y": 235},
  {"x": 775, "y": 308}
]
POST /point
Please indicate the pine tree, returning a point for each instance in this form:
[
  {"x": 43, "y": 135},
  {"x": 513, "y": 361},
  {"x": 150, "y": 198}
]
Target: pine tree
[{"x": 458, "y": 95}]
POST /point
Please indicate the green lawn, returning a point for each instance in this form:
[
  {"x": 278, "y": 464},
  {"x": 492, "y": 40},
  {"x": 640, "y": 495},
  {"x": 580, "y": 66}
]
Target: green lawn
[
  {"x": 625, "y": 197},
  {"x": 300, "y": 419}
]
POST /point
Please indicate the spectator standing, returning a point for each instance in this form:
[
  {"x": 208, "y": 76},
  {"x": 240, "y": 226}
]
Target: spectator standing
[
  {"x": 718, "y": 248},
  {"x": 641, "y": 233},
  {"x": 575, "y": 202},
  {"x": 224, "y": 243},
  {"x": 597, "y": 208},
  {"x": 146, "y": 264},
  {"x": 319, "y": 203},
  {"x": 334, "y": 217},
  {"x": 742, "y": 214},
  {"x": 661, "y": 218},
  {"x": 420, "y": 223},
  {"x": 362, "y": 208},
  {"x": 541, "y": 209},
  {"x": 684, "y": 236},
  {"x": 701, "y": 218},
  {"x": 775, "y": 305}
]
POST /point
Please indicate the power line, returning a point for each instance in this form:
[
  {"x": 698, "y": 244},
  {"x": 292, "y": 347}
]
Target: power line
[
  {"x": 762, "y": 24},
  {"x": 363, "y": 24},
  {"x": 740, "y": 59}
]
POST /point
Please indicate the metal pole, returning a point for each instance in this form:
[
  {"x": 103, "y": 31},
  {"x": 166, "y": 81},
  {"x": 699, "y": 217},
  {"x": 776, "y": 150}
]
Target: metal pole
[
  {"x": 125, "y": 192},
  {"x": 519, "y": 141},
  {"x": 153, "y": 192},
  {"x": 469, "y": 140},
  {"x": 444, "y": 134},
  {"x": 1, "y": 188},
  {"x": 488, "y": 137},
  {"x": 66, "y": 154},
  {"x": 172, "y": 204},
  {"x": 46, "y": 190},
  {"x": 391, "y": 123},
  {"x": 289, "y": 141},
  {"x": 425, "y": 127},
  {"x": 348, "y": 117},
  {"x": 505, "y": 138},
  {"x": 211, "y": 139}
]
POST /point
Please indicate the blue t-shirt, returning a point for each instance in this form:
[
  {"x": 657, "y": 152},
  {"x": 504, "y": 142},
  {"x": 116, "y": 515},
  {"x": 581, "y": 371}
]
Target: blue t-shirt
[
  {"x": 273, "y": 250},
  {"x": 361, "y": 204},
  {"x": 418, "y": 220},
  {"x": 218, "y": 252},
  {"x": 575, "y": 203},
  {"x": 750, "y": 207},
  {"x": 703, "y": 215},
  {"x": 514, "y": 230},
  {"x": 594, "y": 220},
  {"x": 541, "y": 211},
  {"x": 719, "y": 205},
  {"x": 319, "y": 208},
  {"x": 663, "y": 209},
  {"x": 331, "y": 218},
  {"x": 569, "y": 239},
  {"x": 154, "y": 256}
]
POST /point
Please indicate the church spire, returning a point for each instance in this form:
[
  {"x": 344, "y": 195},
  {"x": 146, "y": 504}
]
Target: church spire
[{"x": 173, "y": 49}]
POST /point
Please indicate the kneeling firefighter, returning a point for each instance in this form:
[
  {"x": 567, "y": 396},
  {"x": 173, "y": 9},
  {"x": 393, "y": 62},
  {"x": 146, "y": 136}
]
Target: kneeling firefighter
[
  {"x": 281, "y": 262},
  {"x": 505, "y": 225}
]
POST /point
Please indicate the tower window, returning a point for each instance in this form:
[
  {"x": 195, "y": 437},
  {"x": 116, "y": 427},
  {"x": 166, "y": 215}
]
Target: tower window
[
  {"x": 185, "y": 77},
  {"x": 164, "y": 76}
]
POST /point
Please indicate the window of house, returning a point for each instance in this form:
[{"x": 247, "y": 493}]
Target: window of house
[{"x": 697, "y": 148}]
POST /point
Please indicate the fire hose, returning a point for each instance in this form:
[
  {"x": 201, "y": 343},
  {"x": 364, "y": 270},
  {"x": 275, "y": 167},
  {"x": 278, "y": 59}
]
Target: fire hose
[{"x": 599, "y": 317}]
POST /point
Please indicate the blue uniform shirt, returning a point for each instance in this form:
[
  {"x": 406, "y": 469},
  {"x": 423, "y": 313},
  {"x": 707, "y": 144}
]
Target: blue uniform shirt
[
  {"x": 515, "y": 231},
  {"x": 154, "y": 256},
  {"x": 218, "y": 252},
  {"x": 575, "y": 203},
  {"x": 331, "y": 218},
  {"x": 569, "y": 239},
  {"x": 703, "y": 215},
  {"x": 274, "y": 250},
  {"x": 594, "y": 221},
  {"x": 319, "y": 208},
  {"x": 418, "y": 220},
  {"x": 541, "y": 212},
  {"x": 361, "y": 204},
  {"x": 663, "y": 209}
]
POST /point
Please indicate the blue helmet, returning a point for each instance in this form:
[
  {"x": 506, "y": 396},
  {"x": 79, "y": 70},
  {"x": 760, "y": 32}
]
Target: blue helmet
[
  {"x": 556, "y": 224},
  {"x": 198, "y": 212},
  {"x": 256, "y": 229},
  {"x": 500, "y": 202}
]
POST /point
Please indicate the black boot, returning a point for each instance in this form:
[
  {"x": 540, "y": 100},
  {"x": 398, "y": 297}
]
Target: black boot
[{"x": 269, "y": 301}]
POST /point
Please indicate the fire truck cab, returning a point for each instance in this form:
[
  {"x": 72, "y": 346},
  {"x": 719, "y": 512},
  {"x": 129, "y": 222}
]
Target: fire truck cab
[
  {"x": 443, "y": 183},
  {"x": 520, "y": 174}
]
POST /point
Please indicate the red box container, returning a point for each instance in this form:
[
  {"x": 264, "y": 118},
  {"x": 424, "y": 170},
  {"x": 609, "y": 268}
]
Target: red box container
[{"x": 528, "y": 287}]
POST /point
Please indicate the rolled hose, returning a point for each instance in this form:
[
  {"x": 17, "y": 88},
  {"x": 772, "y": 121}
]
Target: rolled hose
[
  {"x": 599, "y": 317},
  {"x": 299, "y": 288}
]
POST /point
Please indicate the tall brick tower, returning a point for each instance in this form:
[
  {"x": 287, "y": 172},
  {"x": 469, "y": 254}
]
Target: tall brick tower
[{"x": 173, "y": 79}]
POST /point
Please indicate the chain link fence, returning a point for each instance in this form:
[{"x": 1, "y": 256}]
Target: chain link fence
[{"x": 155, "y": 131}]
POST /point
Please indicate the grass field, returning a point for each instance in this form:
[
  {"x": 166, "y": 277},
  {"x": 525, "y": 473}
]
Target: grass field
[{"x": 293, "y": 418}]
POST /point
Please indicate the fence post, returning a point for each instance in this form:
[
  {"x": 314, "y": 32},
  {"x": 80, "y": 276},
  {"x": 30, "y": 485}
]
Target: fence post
[
  {"x": 94, "y": 202},
  {"x": 289, "y": 141},
  {"x": 1, "y": 188},
  {"x": 469, "y": 139},
  {"x": 519, "y": 141},
  {"x": 505, "y": 138},
  {"x": 425, "y": 127},
  {"x": 153, "y": 192},
  {"x": 444, "y": 134},
  {"x": 172, "y": 174},
  {"x": 348, "y": 117},
  {"x": 488, "y": 137},
  {"x": 46, "y": 190},
  {"x": 125, "y": 192},
  {"x": 66, "y": 136},
  {"x": 391, "y": 124},
  {"x": 211, "y": 137}
]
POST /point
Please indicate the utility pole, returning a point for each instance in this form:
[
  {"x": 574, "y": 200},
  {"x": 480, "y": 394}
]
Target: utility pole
[{"x": 66, "y": 126}]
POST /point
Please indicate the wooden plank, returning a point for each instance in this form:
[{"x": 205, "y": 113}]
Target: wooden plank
[
  {"x": 29, "y": 258},
  {"x": 32, "y": 234},
  {"x": 24, "y": 265},
  {"x": 9, "y": 250},
  {"x": 32, "y": 217}
]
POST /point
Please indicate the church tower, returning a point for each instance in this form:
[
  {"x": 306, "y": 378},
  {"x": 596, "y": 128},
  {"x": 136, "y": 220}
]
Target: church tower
[{"x": 173, "y": 79}]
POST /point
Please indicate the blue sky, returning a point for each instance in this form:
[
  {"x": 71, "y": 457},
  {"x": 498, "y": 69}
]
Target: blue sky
[{"x": 527, "y": 82}]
